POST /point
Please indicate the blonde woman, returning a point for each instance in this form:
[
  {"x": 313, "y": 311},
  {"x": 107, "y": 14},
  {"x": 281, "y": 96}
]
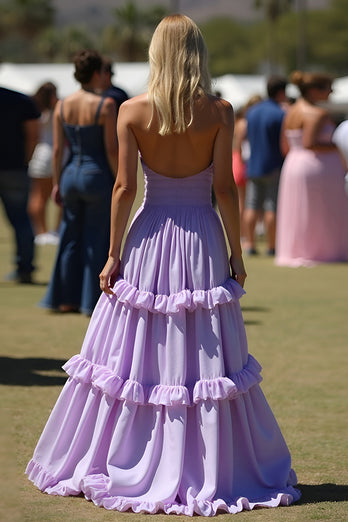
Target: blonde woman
[{"x": 163, "y": 411}]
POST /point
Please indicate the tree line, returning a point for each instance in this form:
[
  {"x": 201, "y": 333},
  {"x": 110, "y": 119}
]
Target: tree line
[{"x": 287, "y": 37}]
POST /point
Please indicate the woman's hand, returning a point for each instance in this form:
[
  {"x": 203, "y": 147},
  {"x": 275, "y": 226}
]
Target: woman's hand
[
  {"x": 55, "y": 195},
  {"x": 238, "y": 270},
  {"x": 109, "y": 274}
]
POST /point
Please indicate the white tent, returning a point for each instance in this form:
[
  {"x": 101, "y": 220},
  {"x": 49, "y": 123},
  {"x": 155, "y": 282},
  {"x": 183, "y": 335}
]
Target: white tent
[
  {"x": 27, "y": 78},
  {"x": 133, "y": 77},
  {"x": 237, "y": 89}
]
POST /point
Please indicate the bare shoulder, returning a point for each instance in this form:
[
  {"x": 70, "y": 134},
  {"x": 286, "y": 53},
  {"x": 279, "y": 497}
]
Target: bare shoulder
[
  {"x": 109, "y": 102},
  {"x": 220, "y": 103},
  {"x": 135, "y": 109},
  {"x": 135, "y": 103},
  {"x": 109, "y": 106},
  {"x": 222, "y": 109}
]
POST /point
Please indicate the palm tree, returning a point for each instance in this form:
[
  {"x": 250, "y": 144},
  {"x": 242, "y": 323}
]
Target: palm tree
[
  {"x": 134, "y": 27},
  {"x": 30, "y": 17},
  {"x": 273, "y": 9}
]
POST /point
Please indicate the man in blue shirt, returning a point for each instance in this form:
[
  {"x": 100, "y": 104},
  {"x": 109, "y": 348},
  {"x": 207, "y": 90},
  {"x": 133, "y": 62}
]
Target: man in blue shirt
[
  {"x": 19, "y": 133},
  {"x": 264, "y": 122}
]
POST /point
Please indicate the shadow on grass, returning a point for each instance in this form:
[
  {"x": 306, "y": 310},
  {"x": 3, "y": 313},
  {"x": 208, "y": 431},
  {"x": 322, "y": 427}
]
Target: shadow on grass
[
  {"x": 13, "y": 284},
  {"x": 246, "y": 309},
  {"x": 312, "y": 494},
  {"x": 255, "y": 309},
  {"x": 32, "y": 372}
]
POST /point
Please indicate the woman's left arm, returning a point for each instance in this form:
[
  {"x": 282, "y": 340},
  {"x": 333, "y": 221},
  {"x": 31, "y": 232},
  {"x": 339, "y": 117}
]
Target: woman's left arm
[{"x": 313, "y": 124}]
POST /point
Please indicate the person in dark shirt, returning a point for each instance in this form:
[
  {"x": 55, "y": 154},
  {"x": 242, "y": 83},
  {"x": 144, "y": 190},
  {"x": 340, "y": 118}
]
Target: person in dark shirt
[
  {"x": 109, "y": 89},
  {"x": 19, "y": 133}
]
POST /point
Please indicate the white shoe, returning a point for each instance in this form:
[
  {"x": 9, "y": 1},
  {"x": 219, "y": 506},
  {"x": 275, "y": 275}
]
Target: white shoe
[
  {"x": 53, "y": 237},
  {"x": 46, "y": 239}
]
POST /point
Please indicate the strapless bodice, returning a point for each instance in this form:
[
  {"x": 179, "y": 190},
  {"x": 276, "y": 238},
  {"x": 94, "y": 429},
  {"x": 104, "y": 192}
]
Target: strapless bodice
[
  {"x": 194, "y": 190},
  {"x": 294, "y": 136}
]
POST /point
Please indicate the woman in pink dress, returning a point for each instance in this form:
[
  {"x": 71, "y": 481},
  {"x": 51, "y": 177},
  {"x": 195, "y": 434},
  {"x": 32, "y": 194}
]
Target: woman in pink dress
[
  {"x": 163, "y": 410},
  {"x": 312, "y": 214}
]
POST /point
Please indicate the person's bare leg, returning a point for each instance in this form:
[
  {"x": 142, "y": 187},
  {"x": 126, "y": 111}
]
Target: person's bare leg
[
  {"x": 39, "y": 193},
  {"x": 270, "y": 226},
  {"x": 241, "y": 198},
  {"x": 250, "y": 218}
]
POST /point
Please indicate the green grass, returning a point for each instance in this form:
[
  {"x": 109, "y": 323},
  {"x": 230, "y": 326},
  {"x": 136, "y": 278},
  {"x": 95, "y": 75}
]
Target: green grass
[{"x": 297, "y": 327}]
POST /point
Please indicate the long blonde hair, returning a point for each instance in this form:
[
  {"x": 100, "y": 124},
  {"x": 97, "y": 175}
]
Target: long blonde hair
[{"x": 178, "y": 72}]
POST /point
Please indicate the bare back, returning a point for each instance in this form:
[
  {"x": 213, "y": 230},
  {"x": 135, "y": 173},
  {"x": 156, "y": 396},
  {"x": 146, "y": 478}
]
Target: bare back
[
  {"x": 308, "y": 117},
  {"x": 81, "y": 107},
  {"x": 178, "y": 155}
]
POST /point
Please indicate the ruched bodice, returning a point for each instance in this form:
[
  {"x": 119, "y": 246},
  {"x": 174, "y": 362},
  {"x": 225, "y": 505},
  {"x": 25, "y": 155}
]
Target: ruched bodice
[
  {"x": 180, "y": 220},
  {"x": 192, "y": 190},
  {"x": 294, "y": 136}
]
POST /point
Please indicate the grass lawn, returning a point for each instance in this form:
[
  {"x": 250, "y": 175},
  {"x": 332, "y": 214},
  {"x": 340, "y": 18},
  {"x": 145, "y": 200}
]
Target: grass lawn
[{"x": 297, "y": 327}]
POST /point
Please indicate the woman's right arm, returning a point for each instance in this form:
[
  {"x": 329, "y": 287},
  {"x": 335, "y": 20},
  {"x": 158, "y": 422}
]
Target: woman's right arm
[
  {"x": 123, "y": 194},
  {"x": 110, "y": 134},
  {"x": 284, "y": 145},
  {"x": 58, "y": 150},
  {"x": 226, "y": 191}
]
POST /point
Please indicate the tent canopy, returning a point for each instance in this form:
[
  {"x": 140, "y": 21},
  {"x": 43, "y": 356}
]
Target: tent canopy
[
  {"x": 27, "y": 78},
  {"x": 133, "y": 78}
]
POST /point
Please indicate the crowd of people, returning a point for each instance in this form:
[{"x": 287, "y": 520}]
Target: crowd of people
[
  {"x": 294, "y": 174},
  {"x": 164, "y": 386},
  {"x": 289, "y": 165}
]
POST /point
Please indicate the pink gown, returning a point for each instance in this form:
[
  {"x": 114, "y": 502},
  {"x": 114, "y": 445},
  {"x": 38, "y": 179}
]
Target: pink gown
[
  {"x": 312, "y": 213},
  {"x": 163, "y": 410}
]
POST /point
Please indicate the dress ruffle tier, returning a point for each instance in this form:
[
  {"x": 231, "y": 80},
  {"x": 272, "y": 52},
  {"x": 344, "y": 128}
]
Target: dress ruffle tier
[
  {"x": 97, "y": 404},
  {"x": 163, "y": 410}
]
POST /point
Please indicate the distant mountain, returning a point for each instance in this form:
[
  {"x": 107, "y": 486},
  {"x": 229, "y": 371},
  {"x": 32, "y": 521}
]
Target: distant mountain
[{"x": 97, "y": 14}]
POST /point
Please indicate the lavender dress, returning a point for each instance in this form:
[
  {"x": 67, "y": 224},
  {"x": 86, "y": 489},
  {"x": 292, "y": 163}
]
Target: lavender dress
[{"x": 162, "y": 409}]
